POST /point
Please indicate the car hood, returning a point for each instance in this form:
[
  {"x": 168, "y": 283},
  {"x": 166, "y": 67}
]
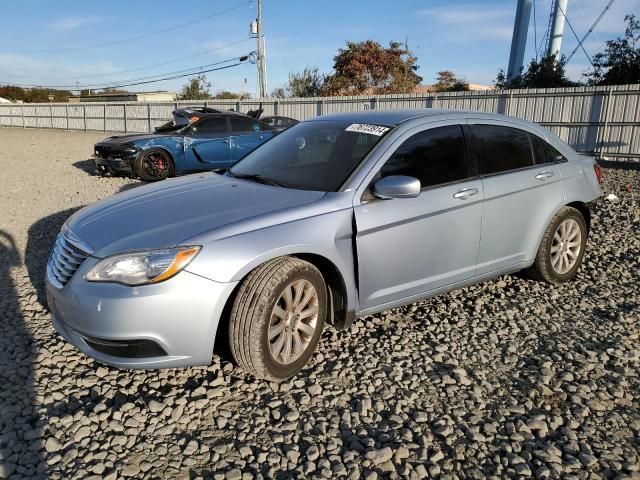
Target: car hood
[
  {"x": 168, "y": 213},
  {"x": 121, "y": 139}
]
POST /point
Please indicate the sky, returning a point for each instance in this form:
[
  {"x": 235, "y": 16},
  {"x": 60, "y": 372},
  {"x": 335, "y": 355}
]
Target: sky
[{"x": 60, "y": 43}]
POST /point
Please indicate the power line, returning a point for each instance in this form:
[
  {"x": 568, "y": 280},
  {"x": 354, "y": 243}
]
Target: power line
[
  {"x": 581, "y": 12},
  {"x": 148, "y": 67},
  {"x": 139, "y": 37},
  {"x": 576, "y": 36},
  {"x": 602, "y": 14},
  {"x": 145, "y": 80}
]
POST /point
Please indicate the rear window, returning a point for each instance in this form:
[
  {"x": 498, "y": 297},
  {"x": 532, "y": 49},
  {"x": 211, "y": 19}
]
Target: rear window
[{"x": 501, "y": 149}]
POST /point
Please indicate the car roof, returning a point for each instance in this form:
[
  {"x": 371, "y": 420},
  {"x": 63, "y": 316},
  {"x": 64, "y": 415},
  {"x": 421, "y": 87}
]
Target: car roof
[{"x": 396, "y": 117}]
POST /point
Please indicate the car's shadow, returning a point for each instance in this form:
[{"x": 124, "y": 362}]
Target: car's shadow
[{"x": 88, "y": 166}]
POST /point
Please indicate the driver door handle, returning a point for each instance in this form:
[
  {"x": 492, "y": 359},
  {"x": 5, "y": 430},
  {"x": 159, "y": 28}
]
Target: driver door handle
[
  {"x": 544, "y": 175},
  {"x": 465, "y": 193}
]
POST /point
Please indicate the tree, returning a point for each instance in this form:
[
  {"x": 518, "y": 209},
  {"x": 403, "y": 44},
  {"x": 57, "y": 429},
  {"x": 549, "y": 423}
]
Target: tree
[
  {"x": 619, "y": 64},
  {"x": 448, "y": 82},
  {"x": 368, "y": 67},
  {"x": 196, "y": 89},
  {"x": 279, "y": 92},
  {"x": 307, "y": 83},
  {"x": 34, "y": 95},
  {"x": 549, "y": 72},
  {"x": 227, "y": 95}
]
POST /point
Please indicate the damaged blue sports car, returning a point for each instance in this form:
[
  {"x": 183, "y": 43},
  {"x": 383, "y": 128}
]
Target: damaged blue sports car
[{"x": 195, "y": 140}]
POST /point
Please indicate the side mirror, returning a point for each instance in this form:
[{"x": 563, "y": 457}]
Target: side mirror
[{"x": 397, "y": 186}]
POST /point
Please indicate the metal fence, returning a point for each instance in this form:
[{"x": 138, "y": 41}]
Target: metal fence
[{"x": 600, "y": 120}]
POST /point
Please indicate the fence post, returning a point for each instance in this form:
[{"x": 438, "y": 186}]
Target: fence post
[
  {"x": 124, "y": 106},
  {"x": 66, "y": 108},
  {"x": 320, "y": 108},
  {"x": 22, "y": 111},
  {"x": 84, "y": 117},
  {"x": 600, "y": 133},
  {"x": 276, "y": 105},
  {"x": 149, "y": 116},
  {"x": 104, "y": 117},
  {"x": 374, "y": 103},
  {"x": 51, "y": 115},
  {"x": 238, "y": 106}
]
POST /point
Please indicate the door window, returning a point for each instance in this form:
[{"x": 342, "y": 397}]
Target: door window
[
  {"x": 244, "y": 125},
  {"x": 501, "y": 149},
  {"x": 211, "y": 126},
  {"x": 434, "y": 156}
]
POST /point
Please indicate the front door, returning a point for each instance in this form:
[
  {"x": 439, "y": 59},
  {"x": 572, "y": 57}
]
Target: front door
[
  {"x": 207, "y": 145},
  {"x": 409, "y": 246}
]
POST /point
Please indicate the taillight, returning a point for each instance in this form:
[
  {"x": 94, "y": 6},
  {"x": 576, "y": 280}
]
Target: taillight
[{"x": 598, "y": 169}]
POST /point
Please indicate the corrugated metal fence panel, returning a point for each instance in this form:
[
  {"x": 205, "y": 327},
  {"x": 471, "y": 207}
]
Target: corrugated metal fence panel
[{"x": 603, "y": 119}]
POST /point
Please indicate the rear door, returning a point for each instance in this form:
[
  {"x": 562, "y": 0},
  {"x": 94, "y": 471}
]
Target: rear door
[
  {"x": 207, "y": 144},
  {"x": 410, "y": 246},
  {"x": 246, "y": 135},
  {"x": 521, "y": 192}
]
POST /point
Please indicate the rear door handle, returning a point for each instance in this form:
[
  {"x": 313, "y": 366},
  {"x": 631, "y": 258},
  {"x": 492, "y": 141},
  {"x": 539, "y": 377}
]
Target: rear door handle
[
  {"x": 544, "y": 175},
  {"x": 466, "y": 193}
]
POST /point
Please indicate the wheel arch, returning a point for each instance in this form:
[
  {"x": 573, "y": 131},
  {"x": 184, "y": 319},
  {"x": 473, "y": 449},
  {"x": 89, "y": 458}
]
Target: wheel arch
[
  {"x": 584, "y": 211},
  {"x": 340, "y": 316}
]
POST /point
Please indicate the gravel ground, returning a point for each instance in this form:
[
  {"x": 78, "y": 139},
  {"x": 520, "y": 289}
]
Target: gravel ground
[{"x": 510, "y": 378}]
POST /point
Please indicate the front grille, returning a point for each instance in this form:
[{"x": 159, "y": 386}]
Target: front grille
[{"x": 65, "y": 259}]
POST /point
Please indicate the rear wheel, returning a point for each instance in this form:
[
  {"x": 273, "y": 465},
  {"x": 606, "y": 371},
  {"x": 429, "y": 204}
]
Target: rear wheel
[
  {"x": 277, "y": 318},
  {"x": 562, "y": 248},
  {"x": 153, "y": 165}
]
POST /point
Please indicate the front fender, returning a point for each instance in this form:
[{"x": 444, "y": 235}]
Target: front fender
[
  {"x": 173, "y": 145},
  {"x": 329, "y": 236}
]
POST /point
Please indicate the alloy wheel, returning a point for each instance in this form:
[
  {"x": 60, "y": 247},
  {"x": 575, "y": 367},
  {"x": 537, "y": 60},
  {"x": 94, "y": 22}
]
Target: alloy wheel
[
  {"x": 566, "y": 245},
  {"x": 293, "y": 321}
]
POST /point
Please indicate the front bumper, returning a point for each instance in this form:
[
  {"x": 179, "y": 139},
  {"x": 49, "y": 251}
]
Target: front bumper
[
  {"x": 114, "y": 164},
  {"x": 170, "y": 324}
]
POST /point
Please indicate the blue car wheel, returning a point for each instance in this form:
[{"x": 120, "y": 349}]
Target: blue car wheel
[{"x": 154, "y": 165}]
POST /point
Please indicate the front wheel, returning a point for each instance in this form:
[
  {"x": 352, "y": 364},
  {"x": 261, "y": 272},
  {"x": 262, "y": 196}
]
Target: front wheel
[
  {"x": 153, "y": 165},
  {"x": 562, "y": 248},
  {"x": 277, "y": 318}
]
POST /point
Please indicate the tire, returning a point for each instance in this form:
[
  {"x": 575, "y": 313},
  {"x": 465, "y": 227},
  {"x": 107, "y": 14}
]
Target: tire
[
  {"x": 548, "y": 267},
  {"x": 254, "y": 318},
  {"x": 153, "y": 165}
]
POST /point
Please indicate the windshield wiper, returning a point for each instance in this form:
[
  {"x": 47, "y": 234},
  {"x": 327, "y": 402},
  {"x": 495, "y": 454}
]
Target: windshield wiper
[{"x": 259, "y": 179}]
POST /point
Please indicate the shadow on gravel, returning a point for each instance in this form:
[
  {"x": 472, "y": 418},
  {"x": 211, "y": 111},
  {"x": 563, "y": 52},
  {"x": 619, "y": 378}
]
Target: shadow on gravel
[
  {"x": 130, "y": 186},
  {"x": 87, "y": 166},
  {"x": 42, "y": 235},
  {"x": 620, "y": 164},
  {"x": 20, "y": 427}
]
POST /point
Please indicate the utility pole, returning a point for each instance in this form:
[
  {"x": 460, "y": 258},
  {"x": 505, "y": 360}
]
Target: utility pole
[
  {"x": 519, "y": 40},
  {"x": 260, "y": 60},
  {"x": 557, "y": 28}
]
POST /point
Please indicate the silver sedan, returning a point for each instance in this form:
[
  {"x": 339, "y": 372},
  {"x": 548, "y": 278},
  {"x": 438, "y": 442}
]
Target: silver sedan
[{"x": 338, "y": 217}]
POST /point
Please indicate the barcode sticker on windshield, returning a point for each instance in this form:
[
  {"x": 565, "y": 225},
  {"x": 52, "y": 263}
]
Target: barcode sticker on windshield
[{"x": 366, "y": 128}]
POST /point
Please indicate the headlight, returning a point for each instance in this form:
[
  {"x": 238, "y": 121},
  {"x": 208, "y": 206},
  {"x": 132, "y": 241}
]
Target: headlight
[{"x": 142, "y": 267}]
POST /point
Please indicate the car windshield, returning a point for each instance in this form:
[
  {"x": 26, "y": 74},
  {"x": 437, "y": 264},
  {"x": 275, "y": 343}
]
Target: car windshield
[{"x": 318, "y": 155}]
